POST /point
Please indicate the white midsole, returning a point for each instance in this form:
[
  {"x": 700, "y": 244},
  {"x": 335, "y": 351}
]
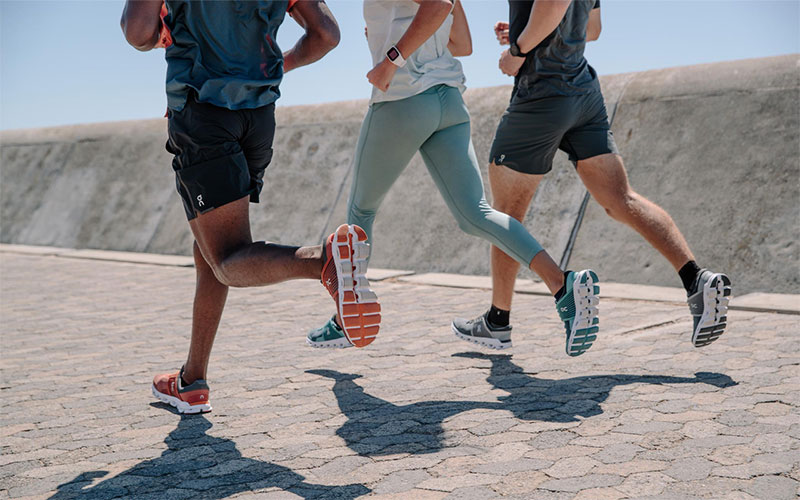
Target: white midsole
[
  {"x": 181, "y": 406},
  {"x": 488, "y": 342},
  {"x": 712, "y": 312}
]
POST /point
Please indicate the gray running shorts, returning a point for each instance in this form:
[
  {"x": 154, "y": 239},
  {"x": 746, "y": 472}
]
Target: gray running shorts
[{"x": 531, "y": 131}]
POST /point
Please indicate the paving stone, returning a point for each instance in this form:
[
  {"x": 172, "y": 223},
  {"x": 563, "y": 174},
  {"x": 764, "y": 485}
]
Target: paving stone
[
  {"x": 452, "y": 483},
  {"x": 616, "y": 453},
  {"x": 472, "y": 493},
  {"x": 401, "y": 481},
  {"x": 690, "y": 468},
  {"x": 576, "y": 484},
  {"x": 644, "y": 484},
  {"x": 774, "y": 487},
  {"x": 571, "y": 467}
]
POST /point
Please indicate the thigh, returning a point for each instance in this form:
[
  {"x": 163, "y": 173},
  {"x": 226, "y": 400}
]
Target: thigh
[
  {"x": 392, "y": 132},
  {"x": 221, "y": 231},
  {"x": 605, "y": 177},
  {"x": 529, "y": 134},
  {"x": 592, "y": 135},
  {"x": 451, "y": 161}
]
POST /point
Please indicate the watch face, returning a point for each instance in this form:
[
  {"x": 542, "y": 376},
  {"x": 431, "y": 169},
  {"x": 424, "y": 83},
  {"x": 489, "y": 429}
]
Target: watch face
[{"x": 392, "y": 54}]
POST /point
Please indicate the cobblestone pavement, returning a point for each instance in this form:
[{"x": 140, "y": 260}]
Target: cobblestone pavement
[{"x": 419, "y": 414}]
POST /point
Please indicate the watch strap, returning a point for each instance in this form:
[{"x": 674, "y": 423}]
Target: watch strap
[{"x": 395, "y": 57}]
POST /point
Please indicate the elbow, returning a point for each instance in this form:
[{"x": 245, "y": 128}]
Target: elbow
[
  {"x": 327, "y": 35},
  {"x": 139, "y": 36},
  {"x": 443, "y": 8},
  {"x": 593, "y": 35},
  {"x": 465, "y": 51},
  {"x": 331, "y": 38}
]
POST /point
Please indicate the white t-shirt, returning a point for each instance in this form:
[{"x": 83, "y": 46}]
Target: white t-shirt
[{"x": 431, "y": 64}]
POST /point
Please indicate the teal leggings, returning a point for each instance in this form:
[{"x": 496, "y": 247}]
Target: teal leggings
[{"x": 435, "y": 123}]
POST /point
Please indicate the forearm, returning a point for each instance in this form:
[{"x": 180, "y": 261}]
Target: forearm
[
  {"x": 309, "y": 49},
  {"x": 141, "y": 23},
  {"x": 545, "y": 18},
  {"x": 429, "y": 17},
  {"x": 460, "y": 43}
]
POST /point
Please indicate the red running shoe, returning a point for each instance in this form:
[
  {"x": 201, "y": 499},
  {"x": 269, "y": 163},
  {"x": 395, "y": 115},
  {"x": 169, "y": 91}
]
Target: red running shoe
[
  {"x": 193, "y": 398},
  {"x": 344, "y": 275}
]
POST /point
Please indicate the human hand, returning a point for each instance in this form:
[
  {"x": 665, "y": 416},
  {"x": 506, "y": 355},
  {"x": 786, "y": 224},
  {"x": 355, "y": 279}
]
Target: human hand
[
  {"x": 509, "y": 64},
  {"x": 381, "y": 75},
  {"x": 501, "y": 32}
]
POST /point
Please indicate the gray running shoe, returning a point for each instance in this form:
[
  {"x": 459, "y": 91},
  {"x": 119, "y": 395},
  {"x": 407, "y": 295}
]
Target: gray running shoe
[
  {"x": 709, "y": 306},
  {"x": 479, "y": 331}
]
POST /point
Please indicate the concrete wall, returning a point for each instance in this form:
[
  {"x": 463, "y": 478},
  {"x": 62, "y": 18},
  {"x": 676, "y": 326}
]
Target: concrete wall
[{"x": 717, "y": 145}]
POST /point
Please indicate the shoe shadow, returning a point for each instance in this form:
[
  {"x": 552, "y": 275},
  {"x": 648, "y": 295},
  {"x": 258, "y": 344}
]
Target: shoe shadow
[
  {"x": 199, "y": 466},
  {"x": 378, "y": 427}
]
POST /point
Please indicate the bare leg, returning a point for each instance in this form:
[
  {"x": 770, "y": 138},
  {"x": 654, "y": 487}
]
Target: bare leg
[
  {"x": 223, "y": 236},
  {"x": 224, "y": 256},
  {"x": 209, "y": 301},
  {"x": 607, "y": 181},
  {"x": 512, "y": 193}
]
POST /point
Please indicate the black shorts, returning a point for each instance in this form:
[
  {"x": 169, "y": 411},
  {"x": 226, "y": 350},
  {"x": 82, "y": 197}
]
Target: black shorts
[
  {"x": 531, "y": 132},
  {"x": 220, "y": 154}
]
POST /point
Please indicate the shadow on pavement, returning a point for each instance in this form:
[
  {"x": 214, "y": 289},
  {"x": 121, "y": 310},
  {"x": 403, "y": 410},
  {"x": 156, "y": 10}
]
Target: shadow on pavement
[
  {"x": 378, "y": 427},
  {"x": 197, "y": 465}
]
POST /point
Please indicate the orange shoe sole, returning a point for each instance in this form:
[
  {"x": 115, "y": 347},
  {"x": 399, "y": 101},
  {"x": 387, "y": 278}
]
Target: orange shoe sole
[{"x": 358, "y": 305}]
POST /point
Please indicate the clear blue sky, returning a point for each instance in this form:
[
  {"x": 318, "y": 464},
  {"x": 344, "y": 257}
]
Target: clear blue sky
[{"x": 64, "y": 62}]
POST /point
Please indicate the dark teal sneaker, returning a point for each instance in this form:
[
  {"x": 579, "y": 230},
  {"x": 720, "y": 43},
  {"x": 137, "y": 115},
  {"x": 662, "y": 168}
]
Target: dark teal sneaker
[
  {"x": 709, "y": 306},
  {"x": 578, "y": 310},
  {"x": 328, "y": 335}
]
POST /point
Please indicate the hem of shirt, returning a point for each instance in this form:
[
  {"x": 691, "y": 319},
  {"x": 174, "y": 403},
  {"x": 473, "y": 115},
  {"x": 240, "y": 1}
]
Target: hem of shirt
[{"x": 460, "y": 86}]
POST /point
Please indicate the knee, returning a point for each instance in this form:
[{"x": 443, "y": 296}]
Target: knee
[
  {"x": 472, "y": 219},
  {"x": 358, "y": 214},
  {"x": 622, "y": 206},
  {"x": 512, "y": 208},
  {"x": 221, "y": 269}
]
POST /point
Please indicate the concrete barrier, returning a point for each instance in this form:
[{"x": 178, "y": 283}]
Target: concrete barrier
[{"x": 716, "y": 145}]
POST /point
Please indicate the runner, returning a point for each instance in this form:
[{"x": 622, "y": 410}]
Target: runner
[
  {"x": 223, "y": 73},
  {"x": 416, "y": 105},
  {"x": 557, "y": 104}
]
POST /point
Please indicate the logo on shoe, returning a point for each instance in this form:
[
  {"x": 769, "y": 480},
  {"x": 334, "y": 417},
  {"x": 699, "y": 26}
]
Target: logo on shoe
[{"x": 563, "y": 309}]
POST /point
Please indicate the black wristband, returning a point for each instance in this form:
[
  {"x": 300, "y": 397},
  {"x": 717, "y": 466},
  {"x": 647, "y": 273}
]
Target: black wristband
[{"x": 514, "y": 50}]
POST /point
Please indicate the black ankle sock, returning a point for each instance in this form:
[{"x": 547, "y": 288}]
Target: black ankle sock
[
  {"x": 497, "y": 317},
  {"x": 688, "y": 273},
  {"x": 561, "y": 291},
  {"x": 183, "y": 382}
]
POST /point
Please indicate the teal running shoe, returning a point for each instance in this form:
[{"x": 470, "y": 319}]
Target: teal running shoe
[
  {"x": 578, "y": 310},
  {"x": 328, "y": 335},
  {"x": 709, "y": 306}
]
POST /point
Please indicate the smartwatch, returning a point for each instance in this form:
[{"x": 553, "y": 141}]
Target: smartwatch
[
  {"x": 514, "y": 50},
  {"x": 394, "y": 55}
]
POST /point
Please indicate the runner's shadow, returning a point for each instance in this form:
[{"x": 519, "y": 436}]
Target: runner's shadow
[
  {"x": 563, "y": 400},
  {"x": 378, "y": 427},
  {"x": 200, "y": 466}
]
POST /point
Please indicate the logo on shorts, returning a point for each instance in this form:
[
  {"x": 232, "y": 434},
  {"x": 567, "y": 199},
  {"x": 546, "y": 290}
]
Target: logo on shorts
[
  {"x": 502, "y": 157},
  {"x": 200, "y": 201}
]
